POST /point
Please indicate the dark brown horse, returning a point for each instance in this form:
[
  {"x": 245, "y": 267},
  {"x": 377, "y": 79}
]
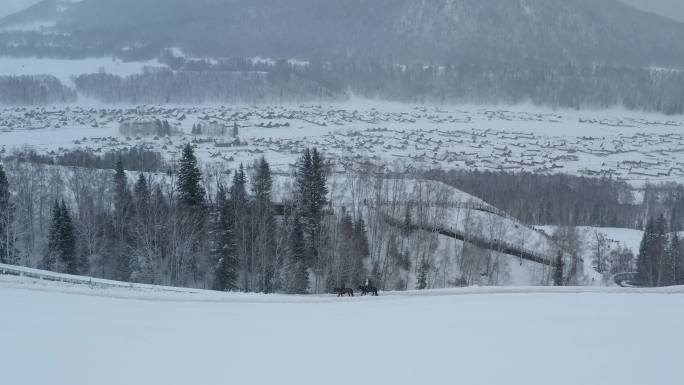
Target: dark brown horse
[{"x": 344, "y": 291}]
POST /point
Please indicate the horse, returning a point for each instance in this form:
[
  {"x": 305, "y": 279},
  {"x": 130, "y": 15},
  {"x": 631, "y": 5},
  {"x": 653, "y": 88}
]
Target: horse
[
  {"x": 344, "y": 290},
  {"x": 368, "y": 289}
]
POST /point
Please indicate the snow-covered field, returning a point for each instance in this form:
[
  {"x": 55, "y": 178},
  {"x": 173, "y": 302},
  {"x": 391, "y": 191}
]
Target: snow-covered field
[
  {"x": 636, "y": 147},
  {"x": 56, "y": 334}
]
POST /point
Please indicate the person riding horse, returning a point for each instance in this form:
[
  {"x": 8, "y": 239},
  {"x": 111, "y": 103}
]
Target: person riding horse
[{"x": 368, "y": 288}]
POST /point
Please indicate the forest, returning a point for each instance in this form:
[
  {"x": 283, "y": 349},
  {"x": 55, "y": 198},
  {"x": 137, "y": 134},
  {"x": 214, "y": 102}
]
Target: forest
[
  {"x": 34, "y": 90},
  {"x": 559, "y": 199},
  {"x": 180, "y": 231},
  {"x": 241, "y": 80},
  {"x": 568, "y": 200},
  {"x": 187, "y": 224}
]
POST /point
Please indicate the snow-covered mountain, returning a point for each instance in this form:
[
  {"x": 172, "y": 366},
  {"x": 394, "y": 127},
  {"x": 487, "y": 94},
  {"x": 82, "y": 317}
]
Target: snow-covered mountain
[
  {"x": 673, "y": 9},
  {"x": 29, "y": 15},
  {"x": 438, "y": 31},
  {"x": 13, "y": 6}
]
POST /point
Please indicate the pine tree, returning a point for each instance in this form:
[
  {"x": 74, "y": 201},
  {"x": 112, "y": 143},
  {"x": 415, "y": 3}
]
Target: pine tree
[
  {"x": 142, "y": 260},
  {"x": 53, "y": 248},
  {"x": 224, "y": 248},
  {"x": 240, "y": 216},
  {"x": 347, "y": 251},
  {"x": 319, "y": 188},
  {"x": 238, "y": 191},
  {"x": 312, "y": 193},
  {"x": 679, "y": 268},
  {"x": 311, "y": 183},
  {"x": 142, "y": 192},
  {"x": 121, "y": 195},
  {"x": 121, "y": 242},
  {"x": 191, "y": 192},
  {"x": 7, "y": 250},
  {"x": 645, "y": 258},
  {"x": 304, "y": 177},
  {"x": 674, "y": 260},
  {"x": 239, "y": 201},
  {"x": 651, "y": 262},
  {"x": 61, "y": 252},
  {"x": 361, "y": 252},
  {"x": 263, "y": 226},
  {"x": 558, "y": 270},
  {"x": 660, "y": 252},
  {"x": 421, "y": 277},
  {"x": 297, "y": 280},
  {"x": 263, "y": 183},
  {"x": 68, "y": 241}
]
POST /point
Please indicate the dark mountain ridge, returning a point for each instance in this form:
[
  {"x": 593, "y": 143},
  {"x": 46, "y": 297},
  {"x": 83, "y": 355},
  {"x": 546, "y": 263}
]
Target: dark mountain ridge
[{"x": 387, "y": 31}]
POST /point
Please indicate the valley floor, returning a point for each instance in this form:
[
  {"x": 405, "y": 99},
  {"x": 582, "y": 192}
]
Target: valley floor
[{"x": 60, "y": 334}]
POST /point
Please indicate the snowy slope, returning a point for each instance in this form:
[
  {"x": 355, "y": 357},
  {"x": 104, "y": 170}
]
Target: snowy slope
[
  {"x": 611, "y": 239},
  {"x": 614, "y": 237},
  {"x": 519, "y": 336},
  {"x": 434, "y": 205}
]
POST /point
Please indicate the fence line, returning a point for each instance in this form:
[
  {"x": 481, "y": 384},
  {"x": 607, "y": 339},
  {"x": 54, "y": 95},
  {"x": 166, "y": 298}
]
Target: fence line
[{"x": 46, "y": 275}]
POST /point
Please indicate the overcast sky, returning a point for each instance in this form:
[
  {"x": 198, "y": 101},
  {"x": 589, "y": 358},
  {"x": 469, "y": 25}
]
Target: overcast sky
[
  {"x": 671, "y": 8},
  {"x": 8, "y": 7}
]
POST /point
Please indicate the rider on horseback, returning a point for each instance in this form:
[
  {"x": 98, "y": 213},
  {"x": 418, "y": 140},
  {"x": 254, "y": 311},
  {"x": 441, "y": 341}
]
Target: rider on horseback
[{"x": 368, "y": 288}]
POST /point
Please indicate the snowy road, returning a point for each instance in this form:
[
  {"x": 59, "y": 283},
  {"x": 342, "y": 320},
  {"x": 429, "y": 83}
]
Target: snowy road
[{"x": 599, "y": 337}]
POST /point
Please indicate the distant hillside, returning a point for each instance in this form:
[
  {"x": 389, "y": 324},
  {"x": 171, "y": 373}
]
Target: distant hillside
[
  {"x": 560, "y": 53},
  {"x": 46, "y": 13},
  {"x": 398, "y": 31}
]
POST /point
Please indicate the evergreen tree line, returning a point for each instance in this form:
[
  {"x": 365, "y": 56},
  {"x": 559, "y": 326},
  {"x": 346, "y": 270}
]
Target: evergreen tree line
[
  {"x": 226, "y": 231},
  {"x": 133, "y": 159},
  {"x": 214, "y": 229},
  {"x": 661, "y": 258},
  {"x": 567, "y": 201},
  {"x": 569, "y": 86},
  {"x": 566, "y": 86},
  {"x": 241, "y": 80},
  {"x": 61, "y": 250},
  {"x": 561, "y": 199},
  {"x": 34, "y": 90},
  {"x": 190, "y": 87},
  {"x": 8, "y": 252},
  {"x": 182, "y": 233}
]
